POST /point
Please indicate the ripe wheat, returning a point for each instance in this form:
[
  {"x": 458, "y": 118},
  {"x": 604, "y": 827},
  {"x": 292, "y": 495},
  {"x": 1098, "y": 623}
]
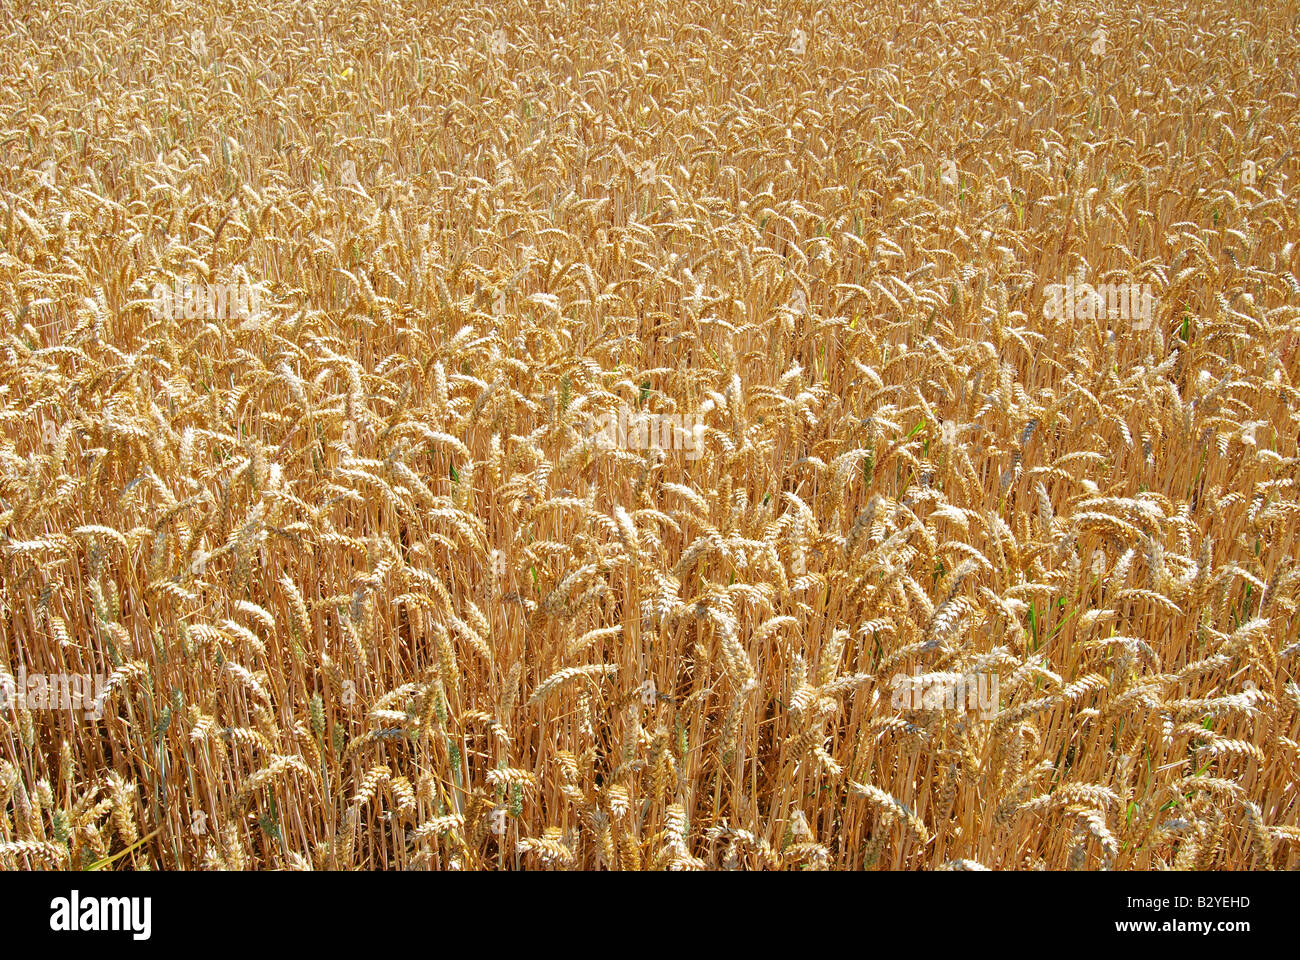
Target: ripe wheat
[{"x": 366, "y": 587}]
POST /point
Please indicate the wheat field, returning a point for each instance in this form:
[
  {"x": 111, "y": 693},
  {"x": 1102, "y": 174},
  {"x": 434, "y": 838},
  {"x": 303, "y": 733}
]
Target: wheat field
[{"x": 649, "y": 435}]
